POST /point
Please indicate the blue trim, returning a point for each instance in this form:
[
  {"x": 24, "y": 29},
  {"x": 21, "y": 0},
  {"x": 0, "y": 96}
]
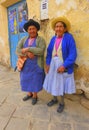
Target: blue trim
[{"x": 14, "y": 38}]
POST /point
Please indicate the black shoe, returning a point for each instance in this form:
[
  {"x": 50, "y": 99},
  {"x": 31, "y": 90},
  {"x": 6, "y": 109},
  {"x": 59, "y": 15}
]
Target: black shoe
[
  {"x": 27, "y": 97},
  {"x": 34, "y": 101},
  {"x": 60, "y": 108},
  {"x": 52, "y": 102}
]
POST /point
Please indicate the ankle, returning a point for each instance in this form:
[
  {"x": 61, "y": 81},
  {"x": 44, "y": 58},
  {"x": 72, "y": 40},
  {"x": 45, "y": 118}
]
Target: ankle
[
  {"x": 34, "y": 96},
  {"x": 55, "y": 98},
  {"x": 29, "y": 94}
]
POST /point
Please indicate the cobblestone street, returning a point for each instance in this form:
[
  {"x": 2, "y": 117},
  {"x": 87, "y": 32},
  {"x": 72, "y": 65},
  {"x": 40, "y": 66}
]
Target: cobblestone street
[{"x": 15, "y": 114}]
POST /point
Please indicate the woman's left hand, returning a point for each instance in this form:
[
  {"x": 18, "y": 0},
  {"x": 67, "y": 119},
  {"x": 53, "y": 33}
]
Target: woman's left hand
[
  {"x": 30, "y": 55},
  {"x": 61, "y": 69}
]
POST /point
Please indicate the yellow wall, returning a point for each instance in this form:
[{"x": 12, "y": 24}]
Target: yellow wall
[
  {"x": 4, "y": 36},
  {"x": 34, "y": 8},
  {"x": 4, "y": 46},
  {"x": 7, "y": 3},
  {"x": 77, "y": 11}
]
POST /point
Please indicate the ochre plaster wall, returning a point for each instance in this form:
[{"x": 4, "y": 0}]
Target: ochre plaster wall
[
  {"x": 4, "y": 45},
  {"x": 77, "y": 11},
  {"x": 34, "y": 8}
]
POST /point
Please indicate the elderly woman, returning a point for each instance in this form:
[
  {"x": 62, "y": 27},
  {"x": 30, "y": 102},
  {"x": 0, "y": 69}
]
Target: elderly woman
[
  {"x": 60, "y": 59},
  {"x": 32, "y": 49}
]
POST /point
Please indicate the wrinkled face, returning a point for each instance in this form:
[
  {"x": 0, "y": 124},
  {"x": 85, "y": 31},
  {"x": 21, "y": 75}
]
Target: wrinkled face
[
  {"x": 60, "y": 29},
  {"x": 32, "y": 31}
]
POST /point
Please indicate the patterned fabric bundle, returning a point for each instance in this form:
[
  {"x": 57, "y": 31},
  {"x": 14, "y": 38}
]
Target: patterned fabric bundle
[{"x": 20, "y": 62}]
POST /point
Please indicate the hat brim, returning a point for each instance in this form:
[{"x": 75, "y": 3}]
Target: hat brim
[
  {"x": 31, "y": 22},
  {"x": 61, "y": 19}
]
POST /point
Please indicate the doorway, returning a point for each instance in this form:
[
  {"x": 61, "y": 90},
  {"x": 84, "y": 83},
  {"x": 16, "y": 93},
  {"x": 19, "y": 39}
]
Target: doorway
[{"x": 17, "y": 17}]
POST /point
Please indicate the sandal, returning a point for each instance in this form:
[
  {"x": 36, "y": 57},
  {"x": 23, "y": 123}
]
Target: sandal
[
  {"x": 34, "y": 101},
  {"x": 60, "y": 108},
  {"x": 27, "y": 97},
  {"x": 52, "y": 102}
]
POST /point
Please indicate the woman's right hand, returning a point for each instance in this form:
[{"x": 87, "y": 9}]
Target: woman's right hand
[{"x": 47, "y": 68}]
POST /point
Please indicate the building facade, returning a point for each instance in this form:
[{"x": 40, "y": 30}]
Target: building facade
[{"x": 13, "y": 14}]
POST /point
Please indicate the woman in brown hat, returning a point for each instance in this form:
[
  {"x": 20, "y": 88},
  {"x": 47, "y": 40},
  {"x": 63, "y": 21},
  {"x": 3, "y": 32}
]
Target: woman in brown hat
[
  {"x": 31, "y": 49},
  {"x": 60, "y": 59}
]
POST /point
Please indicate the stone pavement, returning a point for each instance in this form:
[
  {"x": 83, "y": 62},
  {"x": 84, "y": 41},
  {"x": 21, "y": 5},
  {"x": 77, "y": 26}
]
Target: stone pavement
[{"x": 18, "y": 115}]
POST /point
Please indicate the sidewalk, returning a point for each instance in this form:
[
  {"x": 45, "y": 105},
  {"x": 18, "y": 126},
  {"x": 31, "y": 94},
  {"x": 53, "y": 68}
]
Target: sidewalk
[{"x": 15, "y": 114}]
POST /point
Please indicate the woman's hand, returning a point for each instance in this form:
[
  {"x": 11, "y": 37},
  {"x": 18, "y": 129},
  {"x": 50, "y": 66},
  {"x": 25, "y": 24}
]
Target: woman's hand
[
  {"x": 47, "y": 68},
  {"x": 61, "y": 69},
  {"x": 30, "y": 55},
  {"x": 24, "y": 50}
]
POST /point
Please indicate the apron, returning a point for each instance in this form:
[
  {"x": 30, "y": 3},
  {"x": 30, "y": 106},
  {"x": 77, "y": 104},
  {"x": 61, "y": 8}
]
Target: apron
[{"x": 31, "y": 76}]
